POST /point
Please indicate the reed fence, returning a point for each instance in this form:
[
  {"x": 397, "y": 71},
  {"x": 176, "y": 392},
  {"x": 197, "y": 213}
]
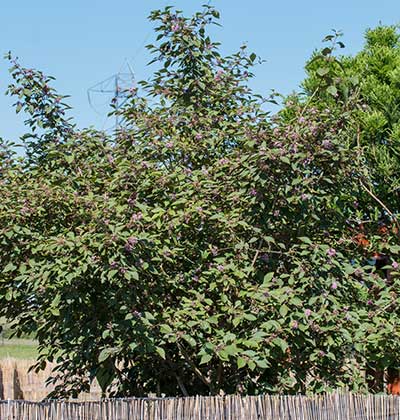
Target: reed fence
[
  {"x": 19, "y": 389},
  {"x": 324, "y": 407},
  {"x": 17, "y": 383}
]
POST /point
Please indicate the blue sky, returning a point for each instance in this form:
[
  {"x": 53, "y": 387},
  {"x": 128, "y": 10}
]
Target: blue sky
[{"x": 82, "y": 42}]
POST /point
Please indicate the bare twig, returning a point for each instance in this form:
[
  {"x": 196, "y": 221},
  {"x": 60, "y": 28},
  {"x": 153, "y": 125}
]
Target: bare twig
[
  {"x": 309, "y": 100},
  {"x": 181, "y": 385},
  {"x": 382, "y": 204},
  {"x": 193, "y": 366},
  {"x": 257, "y": 254}
]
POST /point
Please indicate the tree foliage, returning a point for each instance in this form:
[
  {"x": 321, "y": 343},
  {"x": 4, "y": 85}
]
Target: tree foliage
[
  {"x": 372, "y": 76},
  {"x": 204, "y": 248}
]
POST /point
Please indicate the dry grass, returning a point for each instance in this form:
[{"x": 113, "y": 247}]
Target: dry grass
[{"x": 16, "y": 383}]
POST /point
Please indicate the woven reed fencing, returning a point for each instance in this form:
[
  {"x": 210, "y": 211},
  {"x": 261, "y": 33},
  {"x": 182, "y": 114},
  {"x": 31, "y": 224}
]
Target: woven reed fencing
[
  {"x": 17, "y": 383},
  {"x": 326, "y": 407}
]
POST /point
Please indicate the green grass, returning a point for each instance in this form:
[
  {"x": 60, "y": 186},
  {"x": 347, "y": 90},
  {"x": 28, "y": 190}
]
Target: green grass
[{"x": 18, "y": 348}]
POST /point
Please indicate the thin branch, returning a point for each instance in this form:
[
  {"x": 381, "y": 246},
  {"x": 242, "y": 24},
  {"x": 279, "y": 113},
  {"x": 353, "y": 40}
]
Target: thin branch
[
  {"x": 309, "y": 100},
  {"x": 193, "y": 366},
  {"x": 256, "y": 254},
  {"x": 178, "y": 378},
  {"x": 181, "y": 385},
  {"x": 382, "y": 204},
  {"x": 220, "y": 372}
]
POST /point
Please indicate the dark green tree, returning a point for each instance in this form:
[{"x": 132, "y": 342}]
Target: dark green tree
[
  {"x": 372, "y": 76},
  {"x": 370, "y": 81}
]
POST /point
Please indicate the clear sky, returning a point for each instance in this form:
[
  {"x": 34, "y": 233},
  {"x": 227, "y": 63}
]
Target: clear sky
[{"x": 82, "y": 42}]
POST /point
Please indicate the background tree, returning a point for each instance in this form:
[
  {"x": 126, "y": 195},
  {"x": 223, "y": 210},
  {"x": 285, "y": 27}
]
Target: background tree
[
  {"x": 371, "y": 79},
  {"x": 372, "y": 76}
]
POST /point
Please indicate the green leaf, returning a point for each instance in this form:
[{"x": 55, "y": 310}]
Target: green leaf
[
  {"x": 283, "y": 310},
  {"x": 240, "y": 362},
  {"x": 165, "y": 329},
  {"x": 9, "y": 267},
  {"x": 332, "y": 90},
  {"x": 189, "y": 339},
  {"x": 55, "y": 311},
  {"x": 236, "y": 321},
  {"x": 262, "y": 364},
  {"x": 326, "y": 51},
  {"x": 205, "y": 358},
  {"x": 268, "y": 277},
  {"x": 250, "y": 317},
  {"x": 223, "y": 355},
  {"x": 296, "y": 301},
  {"x": 112, "y": 274},
  {"x": 322, "y": 71},
  {"x": 282, "y": 344},
  {"x": 251, "y": 365},
  {"x": 104, "y": 355},
  {"x": 231, "y": 350},
  {"x": 105, "y": 375},
  {"x": 161, "y": 352}
]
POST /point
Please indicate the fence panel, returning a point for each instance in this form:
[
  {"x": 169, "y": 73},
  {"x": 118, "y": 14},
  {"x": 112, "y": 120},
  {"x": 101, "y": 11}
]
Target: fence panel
[{"x": 336, "y": 406}]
